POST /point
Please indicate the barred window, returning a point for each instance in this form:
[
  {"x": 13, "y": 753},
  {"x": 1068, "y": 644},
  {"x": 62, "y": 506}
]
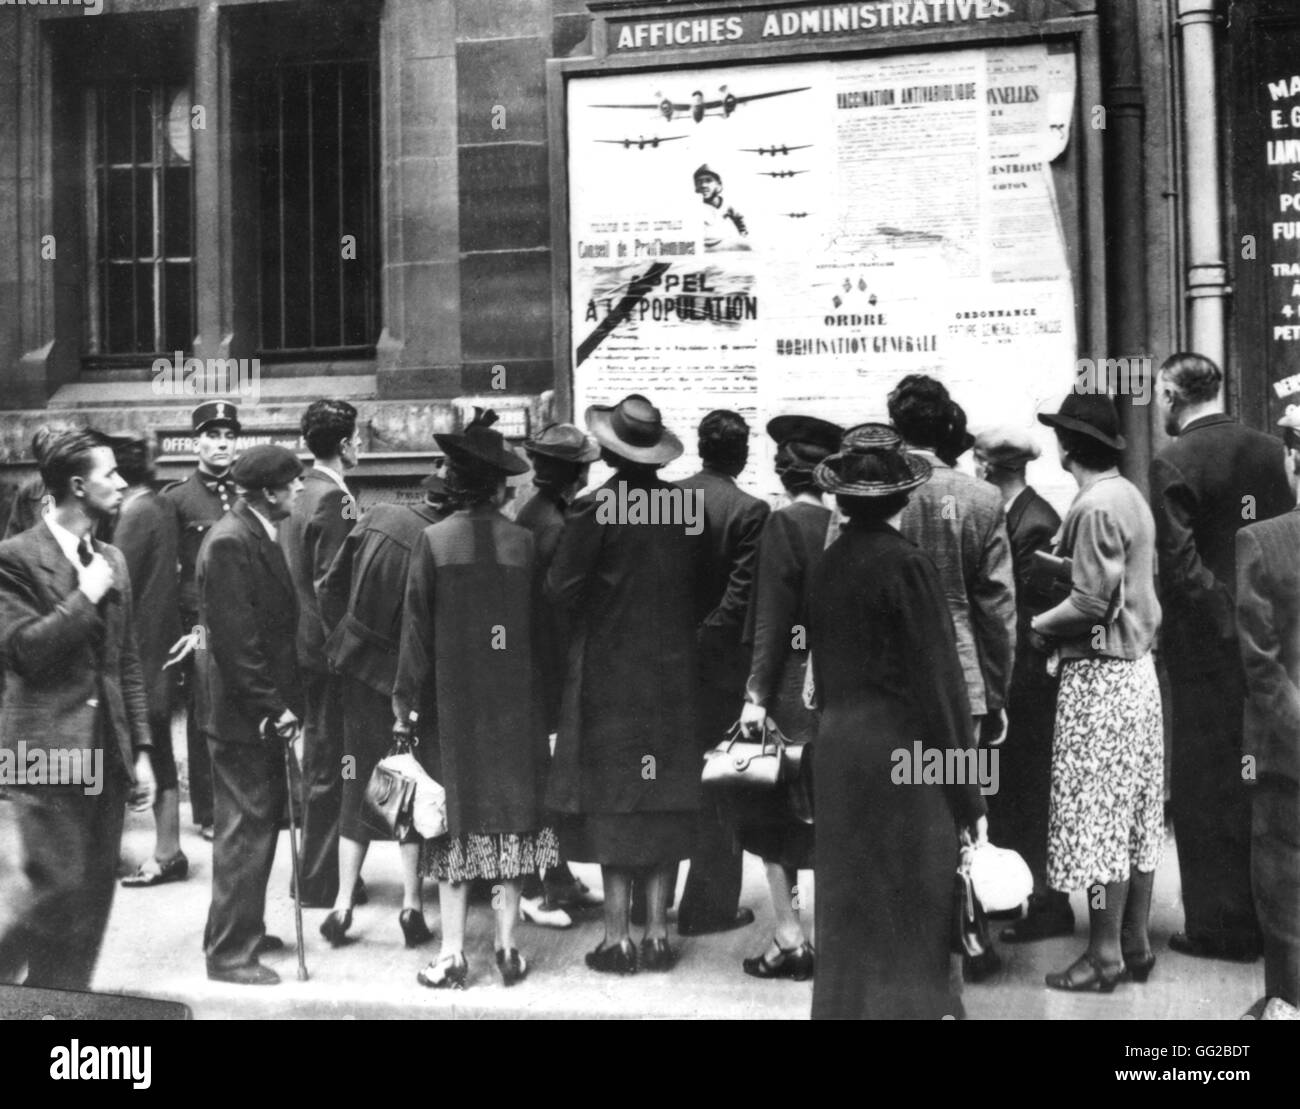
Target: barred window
[
  {"x": 141, "y": 218},
  {"x": 318, "y": 197}
]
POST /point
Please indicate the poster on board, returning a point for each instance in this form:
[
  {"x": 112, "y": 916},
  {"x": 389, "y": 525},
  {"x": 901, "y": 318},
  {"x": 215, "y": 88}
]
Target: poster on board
[{"x": 797, "y": 237}]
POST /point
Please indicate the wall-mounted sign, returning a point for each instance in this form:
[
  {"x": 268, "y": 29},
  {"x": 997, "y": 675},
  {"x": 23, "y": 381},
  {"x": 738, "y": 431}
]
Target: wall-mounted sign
[
  {"x": 792, "y": 23},
  {"x": 173, "y": 441},
  {"x": 855, "y": 221}
]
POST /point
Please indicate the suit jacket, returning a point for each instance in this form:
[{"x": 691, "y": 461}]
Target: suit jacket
[
  {"x": 361, "y": 594},
  {"x": 959, "y": 522},
  {"x": 146, "y": 534},
  {"x": 1032, "y": 524},
  {"x": 197, "y": 508},
  {"x": 323, "y": 515},
  {"x": 249, "y": 668},
  {"x": 1268, "y": 622},
  {"x": 1199, "y": 486},
  {"x": 68, "y": 661},
  {"x": 733, "y": 525}
]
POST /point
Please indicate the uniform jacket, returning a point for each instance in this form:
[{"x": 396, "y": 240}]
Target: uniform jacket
[
  {"x": 248, "y": 669},
  {"x": 627, "y": 738},
  {"x": 322, "y": 516},
  {"x": 1199, "y": 486},
  {"x": 65, "y": 657},
  {"x": 199, "y": 503},
  {"x": 466, "y": 663},
  {"x": 1032, "y": 524},
  {"x": 958, "y": 521},
  {"x": 733, "y": 524},
  {"x": 362, "y": 593},
  {"x": 1268, "y": 622},
  {"x": 146, "y": 534}
]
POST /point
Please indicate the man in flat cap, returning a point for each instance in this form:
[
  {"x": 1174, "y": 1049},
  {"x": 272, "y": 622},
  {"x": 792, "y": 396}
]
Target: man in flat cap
[
  {"x": 249, "y": 675},
  {"x": 199, "y": 501},
  {"x": 1019, "y": 808},
  {"x": 561, "y": 456},
  {"x": 1268, "y": 625}
]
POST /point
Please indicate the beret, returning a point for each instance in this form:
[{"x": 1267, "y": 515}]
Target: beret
[{"x": 265, "y": 465}]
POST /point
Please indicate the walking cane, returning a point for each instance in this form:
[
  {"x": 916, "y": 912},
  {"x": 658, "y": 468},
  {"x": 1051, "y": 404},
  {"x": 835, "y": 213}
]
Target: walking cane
[{"x": 293, "y": 848}]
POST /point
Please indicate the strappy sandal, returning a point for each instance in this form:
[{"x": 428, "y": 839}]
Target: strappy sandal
[{"x": 1102, "y": 978}]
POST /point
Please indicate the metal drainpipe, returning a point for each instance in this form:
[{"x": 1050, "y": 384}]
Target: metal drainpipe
[{"x": 1207, "y": 275}]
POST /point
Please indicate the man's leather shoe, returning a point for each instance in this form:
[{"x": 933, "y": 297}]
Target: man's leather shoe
[
  {"x": 268, "y": 943},
  {"x": 1234, "y": 952},
  {"x": 251, "y": 974},
  {"x": 743, "y": 919},
  {"x": 1044, "y": 920}
]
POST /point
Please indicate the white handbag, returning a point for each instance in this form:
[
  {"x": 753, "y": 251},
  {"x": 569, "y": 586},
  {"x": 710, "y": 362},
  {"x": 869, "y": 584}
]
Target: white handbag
[
  {"x": 429, "y": 809},
  {"x": 1001, "y": 878}
]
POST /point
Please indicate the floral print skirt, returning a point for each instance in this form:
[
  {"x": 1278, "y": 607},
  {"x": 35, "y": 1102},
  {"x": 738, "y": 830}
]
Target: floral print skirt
[
  {"x": 497, "y": 855},
  {"x": 1107, "y": 802}
]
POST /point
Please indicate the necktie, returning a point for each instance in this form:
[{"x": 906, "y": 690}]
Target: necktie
[{"x": 85, "y": 551}]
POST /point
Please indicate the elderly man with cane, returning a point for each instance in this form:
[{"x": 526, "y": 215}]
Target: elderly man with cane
[{"x": 251, "y": 698}]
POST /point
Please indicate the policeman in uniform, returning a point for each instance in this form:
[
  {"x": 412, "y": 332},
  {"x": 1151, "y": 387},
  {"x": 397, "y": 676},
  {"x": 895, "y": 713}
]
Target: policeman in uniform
[{"x": 200, "y": 500}]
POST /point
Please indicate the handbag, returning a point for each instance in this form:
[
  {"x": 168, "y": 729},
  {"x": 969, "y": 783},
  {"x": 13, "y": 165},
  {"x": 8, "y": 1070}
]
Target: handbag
[
  {"x": 401, "y": 800},
  {"x": 970, "y": 925},
  {"x": 740, "y": 764},
  {"x": 1000, "y": 877}
]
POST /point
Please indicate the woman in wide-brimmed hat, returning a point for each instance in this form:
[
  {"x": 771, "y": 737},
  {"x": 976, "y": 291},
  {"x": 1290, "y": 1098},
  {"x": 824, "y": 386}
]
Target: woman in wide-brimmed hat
[
  {"x": 793, "y": 541},
  {"x": 626, "y": 773},
  {"x": 466, "y": 666},
  {"x": 1106, "y": 819},
  {"x": 888, "y": 677}
]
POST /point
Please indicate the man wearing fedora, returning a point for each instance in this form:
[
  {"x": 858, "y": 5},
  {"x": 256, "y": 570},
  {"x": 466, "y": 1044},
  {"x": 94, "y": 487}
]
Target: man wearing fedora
[
  {"x": 1268, "y": 622},
  {"x": 626, "y": 774},
  {"x": 321, "y": 519},
  {"x": 1019, "y": 808},
  {"x": 249, "y": 674},
  {"x": 733, "y": 524},
  {"x": 1212, "y": 479},
  {"x": 199, "y": 501},
  {"x": 561, "y": 456}
]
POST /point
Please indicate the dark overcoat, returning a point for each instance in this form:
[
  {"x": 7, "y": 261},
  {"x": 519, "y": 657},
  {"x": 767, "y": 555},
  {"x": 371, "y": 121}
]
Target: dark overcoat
[
  {"x": 888, "y": 676},
  {"x": 627, "y": 735},
  {"x": 466, "y": 664},
  {"x": 733, "y": 523},
  {"x": 249, "y": 613},
  {"x": 361, "y": 596},
  {"x": 544, "y": 515},
  {"x": 323, "y": 515},
  {"x": 1268, "y": 616},
  {"x": 147, "y": 536}
]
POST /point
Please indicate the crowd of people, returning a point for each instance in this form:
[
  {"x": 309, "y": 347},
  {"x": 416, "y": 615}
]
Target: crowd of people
[{"x": 562, "y": 670}]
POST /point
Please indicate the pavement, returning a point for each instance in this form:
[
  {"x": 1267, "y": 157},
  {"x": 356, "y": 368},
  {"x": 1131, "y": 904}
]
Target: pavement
[{"x": 154, "y": 948}]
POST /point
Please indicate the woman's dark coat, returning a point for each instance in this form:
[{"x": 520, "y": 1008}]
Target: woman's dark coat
[{"x": 888, "y": 675}]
